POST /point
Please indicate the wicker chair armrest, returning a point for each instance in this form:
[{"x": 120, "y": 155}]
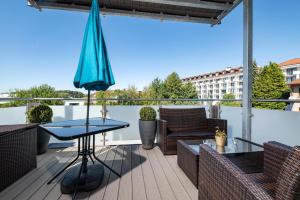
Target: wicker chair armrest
[
  {"x": 162, "y": 135},
  {"x": 162, "y": 127},
  {"x": 221, "y": 179},
  {"x": 213, "y": 123},
  {"x": 275, "y": 154}
]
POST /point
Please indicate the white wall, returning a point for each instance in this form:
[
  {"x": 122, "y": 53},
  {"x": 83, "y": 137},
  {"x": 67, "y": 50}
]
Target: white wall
[{"x": 267, "y": 125}]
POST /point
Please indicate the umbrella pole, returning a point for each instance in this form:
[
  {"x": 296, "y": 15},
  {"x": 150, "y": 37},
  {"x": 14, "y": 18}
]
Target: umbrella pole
[
  {"x": 88, "y": 107},
  {"x": 87, "y": 139}
]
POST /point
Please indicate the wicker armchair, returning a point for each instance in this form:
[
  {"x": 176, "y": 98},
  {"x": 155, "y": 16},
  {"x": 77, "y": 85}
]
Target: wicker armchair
[
  {"x": 185, "y": 124},
  {"x": 17, "y": 152},
  {"x": 220, "y": 179}
]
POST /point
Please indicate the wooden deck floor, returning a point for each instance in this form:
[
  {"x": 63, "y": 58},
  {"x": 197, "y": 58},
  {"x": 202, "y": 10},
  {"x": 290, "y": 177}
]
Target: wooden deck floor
[{"x": 146, "y": 175}]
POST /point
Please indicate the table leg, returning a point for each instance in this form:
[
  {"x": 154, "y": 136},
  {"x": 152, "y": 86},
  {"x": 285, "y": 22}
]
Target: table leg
[
  {"x": 71, "y": 163},
  {"x": 84, "y": 177},
  {"x": 100, "y": 161},
  {"x": 77, "y": 181},
  {"x": 66, "y": 167}
]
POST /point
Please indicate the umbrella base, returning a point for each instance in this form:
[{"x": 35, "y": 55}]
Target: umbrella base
[{"x": 88, "y": 181}]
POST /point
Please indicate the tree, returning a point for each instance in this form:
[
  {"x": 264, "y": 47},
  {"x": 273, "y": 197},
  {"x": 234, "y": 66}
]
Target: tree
[
  {"x": 189, "y": 91},
  {"x": 255, "y": 71},
  {"x": 230, "y": 103},
  {"x": 130, "y": 93},
  {"x": 172, "y": 87},
  {"x": 42, "y": 91},
  {"x": 156, "y": 89},
  {"x": 270, "y": 84},
  {"x": 70, "y": 94}
]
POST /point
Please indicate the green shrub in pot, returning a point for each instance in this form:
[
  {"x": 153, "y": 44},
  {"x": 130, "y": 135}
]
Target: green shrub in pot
[
  {"x": 41, "y": 114},
  {"x": 147, "y": 114},
  {"x": 147, "y": 127}
]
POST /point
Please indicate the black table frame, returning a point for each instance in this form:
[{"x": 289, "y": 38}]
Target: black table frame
[{"x": 85, "y": 150}]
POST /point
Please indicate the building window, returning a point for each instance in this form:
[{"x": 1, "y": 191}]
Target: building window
[
  {"x": 290, "y": 79},
  {"x": 290, "y": 72}
]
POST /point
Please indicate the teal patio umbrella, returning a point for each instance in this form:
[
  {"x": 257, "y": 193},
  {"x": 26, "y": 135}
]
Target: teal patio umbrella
[{"x": 94, "y": 70}]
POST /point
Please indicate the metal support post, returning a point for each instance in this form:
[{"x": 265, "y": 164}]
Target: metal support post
[{"x": 247, "y": 69}]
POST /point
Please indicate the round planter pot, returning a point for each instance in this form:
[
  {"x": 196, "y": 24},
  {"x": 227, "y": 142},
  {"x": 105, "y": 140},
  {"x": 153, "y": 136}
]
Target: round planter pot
[
  {"x": 147, "y": 133},
  {"x": 42, "y": 140},
  {"x": 220, "y": 141}
]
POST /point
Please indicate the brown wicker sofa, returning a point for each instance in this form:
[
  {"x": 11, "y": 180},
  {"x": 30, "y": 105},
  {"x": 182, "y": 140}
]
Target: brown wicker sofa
[
  {"x": 221, "y": 179},
  {"x": 185, "y": 124}
]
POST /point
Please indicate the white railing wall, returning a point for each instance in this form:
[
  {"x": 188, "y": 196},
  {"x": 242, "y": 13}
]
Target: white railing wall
[{"x": 267, "y": 125}]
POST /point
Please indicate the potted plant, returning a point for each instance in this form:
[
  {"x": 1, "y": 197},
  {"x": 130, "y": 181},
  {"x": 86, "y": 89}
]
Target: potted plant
[
  {"x": 147, "y": 127},
  {"x": 220, "y": 137},
  {"x": 41, "y": 114}
]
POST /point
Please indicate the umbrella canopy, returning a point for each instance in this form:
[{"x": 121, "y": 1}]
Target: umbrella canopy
[{"x": 94, "y": 70}]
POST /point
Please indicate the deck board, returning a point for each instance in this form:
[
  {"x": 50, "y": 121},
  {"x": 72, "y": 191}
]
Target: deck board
[
  {"x": 138, "y": 186},
  {"x": 99, "y": 194},
  {"x": 161, "y": 179},
  {"x": 151, "y": 186},
  {"x": 146, "y": 175},
  {"x": 125, "y": 187},
  {"x": 187, "y": 184}
]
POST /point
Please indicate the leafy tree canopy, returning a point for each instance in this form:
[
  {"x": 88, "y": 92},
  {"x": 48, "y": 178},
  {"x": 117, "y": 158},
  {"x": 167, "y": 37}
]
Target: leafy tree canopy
[
  {"x": 230, "y": 103},
  {"x": 42, "y": 91},
  {"x": 170, "y": 88},
  {"x": 70, "y": 94},
  {"x": 270, "y": 84}
]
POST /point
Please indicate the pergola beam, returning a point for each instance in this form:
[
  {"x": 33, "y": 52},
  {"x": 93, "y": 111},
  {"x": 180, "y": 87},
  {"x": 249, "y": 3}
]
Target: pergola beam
[
  {"x": 190, "y": 3},
  {"x": 227, "y": 11},
  {"x": 247, "y": 69},
  {"x": 132, "y": 13}
]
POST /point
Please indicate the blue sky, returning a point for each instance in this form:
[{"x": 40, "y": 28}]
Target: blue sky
[{"x": 44, "y": 47}]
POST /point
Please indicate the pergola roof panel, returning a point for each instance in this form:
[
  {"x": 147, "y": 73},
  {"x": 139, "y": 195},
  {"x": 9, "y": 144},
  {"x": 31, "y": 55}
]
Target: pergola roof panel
[{"x": 202, "y": 11}]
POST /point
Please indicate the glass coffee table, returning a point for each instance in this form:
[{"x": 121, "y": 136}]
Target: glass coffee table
[{"x": 246, "y": 155}]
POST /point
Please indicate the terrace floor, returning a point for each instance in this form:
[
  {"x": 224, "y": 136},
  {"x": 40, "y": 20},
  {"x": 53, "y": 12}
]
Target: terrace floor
[{"x": 146, "y": 175}]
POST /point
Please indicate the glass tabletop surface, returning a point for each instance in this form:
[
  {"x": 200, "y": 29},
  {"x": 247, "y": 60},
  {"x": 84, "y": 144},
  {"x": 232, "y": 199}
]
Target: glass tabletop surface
[
  {"x": 72, "y": 129},
  {"x": 234, "y": 145}
]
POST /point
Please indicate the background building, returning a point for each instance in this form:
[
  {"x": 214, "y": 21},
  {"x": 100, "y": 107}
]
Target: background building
[
  {"x": 4, "y": 95},
  {"x": 214, "y": 85},
  {"x": 291, "y": 69}
]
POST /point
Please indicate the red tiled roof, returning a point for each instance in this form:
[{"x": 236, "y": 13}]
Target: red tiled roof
[
  {"x": 220, "y": 73},
  {"x": 290, "y": 62},
  {"x": 295, "y": 82}
]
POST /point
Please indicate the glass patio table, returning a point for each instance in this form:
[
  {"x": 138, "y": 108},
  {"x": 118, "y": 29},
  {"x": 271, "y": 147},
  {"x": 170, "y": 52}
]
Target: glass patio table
[{"x": 82, "y": 177}]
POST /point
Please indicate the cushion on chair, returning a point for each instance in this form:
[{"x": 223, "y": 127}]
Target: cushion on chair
[
  {"x": 287, "y": 185},
  {"x": 191, "y": 134}
]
